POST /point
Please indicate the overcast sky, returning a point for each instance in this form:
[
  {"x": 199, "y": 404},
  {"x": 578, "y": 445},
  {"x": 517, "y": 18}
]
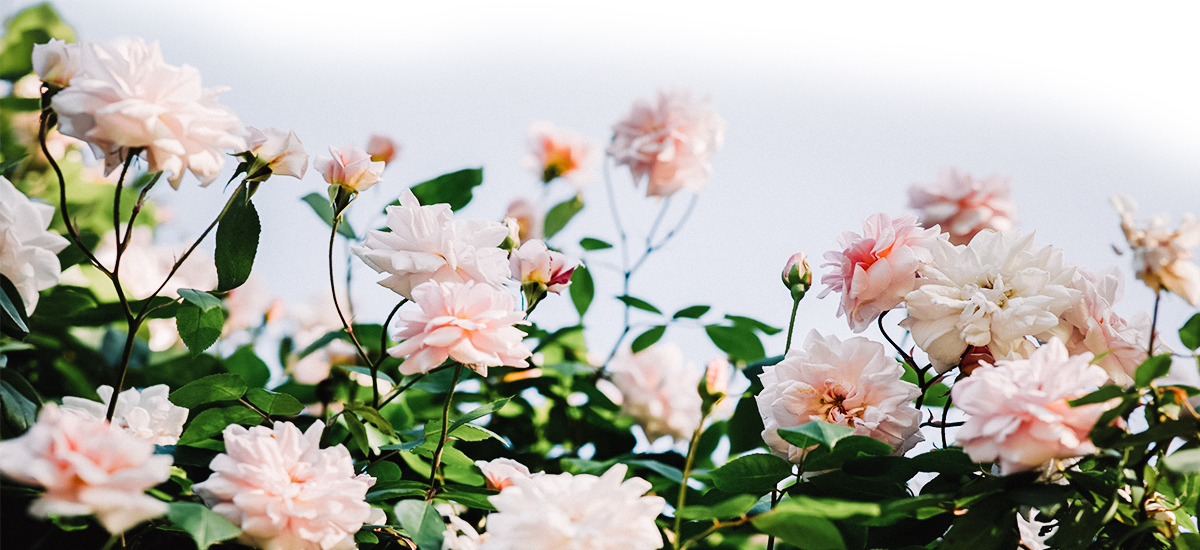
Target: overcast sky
[{"x": 832, "y": 111}]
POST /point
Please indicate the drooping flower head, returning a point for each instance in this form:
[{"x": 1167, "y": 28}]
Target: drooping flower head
[
  {"x": 558, "y": 152},
  {"x": 963, "y": 206},
  {"x": 145, "y": 414},
  {"x": 56, "y": 62},
  {"x": 1095, "y": 327},
  {"x": 564, "y": 511},
  {"x": 669, "y": 143},
  {"x": 468, "y": 322},
  {"x": 126, "y": 97},
  {"x": 87, "y": 468},
  {"x": 1018, "y": 412},
  {"x": 1161, "y": 257},
  {"x": 993, "y": 292},
  {"x": 28, "y": 249},
  {"x": 875, "y": 271},
  {"x": 852, "y": 383},
  {"x": 501, "y": 472},
  {"x": 426, "y": 244},
  {"x": 276, "y": 152},
  {"x": 382, "y": 148},
  {"x": 658, "y": 390},
  {"x": 285, "y": 492}
]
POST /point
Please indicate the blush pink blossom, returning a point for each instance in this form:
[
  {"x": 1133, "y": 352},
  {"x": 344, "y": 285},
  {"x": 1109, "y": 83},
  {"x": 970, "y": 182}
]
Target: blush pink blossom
[
  {"x": 501, "y": 472},
  {"x": 56, "y": 62},
  {"x": 86, "y": 468},
  {"x": 281, "y": 151},
  {"x": 852, "y": 383},
  {"x": 558, "y": 152},
  {"x": 1018, "y": 412},
  {"x": 964, "y": 206},
  {"x": 874, "y": 271},
  {"x": 659, "y": 390},
  {"x": 382, "y": 148},
  {"x": 350, "y": 168},
  {"x": 670, "y": 143},
  {"x": 287, "y": 493},
  {"x": 1118, "y": 344},
  {"x": 537, "y": 264},
  {"x": 529, "y": 219},
  {"x": 471, "y": 323},
  {"x": 1162, "y": 258},
  {"x": 147, "y": 414}
]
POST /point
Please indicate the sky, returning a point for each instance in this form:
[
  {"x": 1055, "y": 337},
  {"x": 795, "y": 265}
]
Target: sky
[{"x": 833, "y": 111}]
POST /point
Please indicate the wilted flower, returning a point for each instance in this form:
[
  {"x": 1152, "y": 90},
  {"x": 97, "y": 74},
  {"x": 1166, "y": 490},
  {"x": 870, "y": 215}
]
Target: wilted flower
[
  {"x": 993, "y": 292},
  {"x": 350, "y": 168},
  {"x": 280, "y": 152},
  {"x": 1118, "y": 344},
  {"x": 875, "y": 270},
  {"x": 851, "y": 383},
  {"x": 565, "y": 511},
  {"x": 284, "y": 491},
  {"x": 468, "y": 322},
  {"x": 56, "y": 62},
  {"x": 501, "y": 472},
  {"x": 1018, "y": 412},
  {"x": 425, "y": 244},
  {"x": 126, "y": 97},
  {"x": 558, "y": 152},
  {"x": 658, "y": 390},
  {"x": 964, "y": 206},
  {"x": 382, "y": 148},
  {"x": 28, "y": 250},
  {"x": 1162, "y": 257},
  {"x": 528, "y": 217},
  {"x": 671, "y": 143},
  {"x": 146, "y": 414},
  {"x": 86, "y": 468}
]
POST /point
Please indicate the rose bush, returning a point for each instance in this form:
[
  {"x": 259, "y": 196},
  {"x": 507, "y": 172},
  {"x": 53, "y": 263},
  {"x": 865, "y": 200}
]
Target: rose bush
[{"x": 156, "y": 397}]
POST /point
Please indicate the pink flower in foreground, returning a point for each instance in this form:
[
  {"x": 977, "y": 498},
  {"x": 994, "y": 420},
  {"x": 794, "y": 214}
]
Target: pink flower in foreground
[
  {"x": 852, "y": 383},
  {"x": 468, "y": 322},
  {"x": 382, "y": 148},
  {"x": 56, "y": 62},
  {"x": 86, "y": 468},
  {"x": 426, "y": 243},
  {"x": 501, "y": 472},
  {"x": 534, "y": 263},
  {"x": 1018, "y": 412},
  {"x": 558, "y": 152},
  {"x": 126, "y": 97},
  {"x": 564, "y": 511},
  {"x": 1161, "y": 257},
  {"x": 350, "y": 168},
  {"x": 1119, "y": 344},
  {"x": 658, "y": 390},
  {"x": 964, "y": 206},
  {"x": 874, "y": 271},
  {"x": 670, "y": 143},
  {"x": 287, "y": 493}
]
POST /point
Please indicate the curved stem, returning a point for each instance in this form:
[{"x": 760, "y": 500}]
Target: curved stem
[
  {"x": 382, "y": 354},
  {"x": 72, "y": 231},
  {"x": 907, "y": 358},
  {"x": 1153, "y": 323},
  {"x": 126, "y": 353},
  {"x": 437, "y": 453},
  {"x": 333, "y": 292},
  {"x": 791, "y": 326},
  {"x": 687, "y": 472},
  {"x": 137, "y": 208},
  {"x": 945, "y": 414}
]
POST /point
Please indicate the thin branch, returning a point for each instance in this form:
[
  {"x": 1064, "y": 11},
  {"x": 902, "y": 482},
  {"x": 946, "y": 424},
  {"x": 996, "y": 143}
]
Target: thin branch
[
  {"x": 333, "y": 291},
  {"x": 382, "y": 354},
  {"x": 437, "y": 453}
]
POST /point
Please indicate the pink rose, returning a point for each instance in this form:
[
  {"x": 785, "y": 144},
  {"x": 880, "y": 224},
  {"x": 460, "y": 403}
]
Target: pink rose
[
  {"x": 349, "y": 167},
  {"x": 558, "y": 152},
  {"x": 279, "y": 150},
  {"x": 1162, "y": 258},
  {"x": 964, "y": 206},
  {"x": 1018, "y": 412},
  {"x": 501, "y": 472},
  {"x": 1119, "y": 343},
  {"x": 534, "y": 263},
  {"x": 670, "y": 143},
  {"x": 382, "y": 148},
  {"x": 658, "y": 390},
  {"x": 55, "y": 62},
  {"x": 529, "y": 219},
  {"x": 875, "y": 270}
]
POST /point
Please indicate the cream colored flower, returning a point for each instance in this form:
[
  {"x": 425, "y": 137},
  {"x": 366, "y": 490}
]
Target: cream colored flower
[
  {"x": 501, "y": 472},
  {"x": 281, "y": 151},
  {"x": 56, "y": 62},
  {"x": 28, "y": 249},
  {"x": 146, "y": 414},
  {"x": 350, "y": 168},
  {"x": 1162, "y": 258},
  {"x": 1095, "y": 327},
  {"x": 658, "y": 390}
]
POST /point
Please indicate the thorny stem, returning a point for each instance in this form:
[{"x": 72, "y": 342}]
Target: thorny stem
[
  {"x": 437, "y": 453},
  {"x": 333, "y": 292},
  {"x": 382, "y": 354},
  {"x": 791, "y": 327},
  {"x": 1153, "y": 323}
]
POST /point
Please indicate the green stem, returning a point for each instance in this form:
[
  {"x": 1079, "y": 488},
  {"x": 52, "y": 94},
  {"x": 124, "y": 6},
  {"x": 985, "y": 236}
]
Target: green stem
[
  {"x": 437, "y": 453},
  {"x": 1153, "y": 323},
  {"x": 687, "y": 472},
  {"x": 382, "y": 354},
  {"x": 791, "y": 326},
  {"x": 333, "y": 291}
]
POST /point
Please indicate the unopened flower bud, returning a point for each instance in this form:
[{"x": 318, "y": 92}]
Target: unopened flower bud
[
  {"x": 56, "y": 62},
  {"x": 513, "y": 240},
  {"x": 797, "y": 276},
  {"x": 715, "y": 385}
]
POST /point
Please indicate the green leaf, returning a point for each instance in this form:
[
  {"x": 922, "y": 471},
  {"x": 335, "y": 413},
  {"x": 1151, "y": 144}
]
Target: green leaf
[
  {"x": 1099, "y": 396},
  {"x": 739, "y": 342},
  {"x": 827, "y": 508},
  {"x": 582, "y": 289},
  {"x": 648, "y": 338},
  {"x": 1153, "y": 368},
  {"x": 205, "y": 526},
  {"x": 211, "y": 422},
  {"x": 34, "y": 25},
  {"x": 198, "y": 328},
  {"x": 474, "y": 497},
  {"x": 752, "y": 324},
  {"x": 1184, "y": 462},
  {"x": 670, "y": 472},
  {"x": 237, "y": 242},
  {"x": 560, "y": 214},
  {"x": 478, "y": 413},
  {"x": 215, "y": 387},
  {"x": 944, "y": 461},
  {"x": 692, "y": 312},
  {"x": 19, "y": 411},
  {"x": 274, "y": 404},
  {"x": 371, "y": 415},
  {"x": 12, "y": 310},
  {"x": 203, "y": 300},
  {"x": 1190, "y": 333},
  {"x": 815, "y": 433},
  {"x": 422, "y": 523},
  {"x": 756, "y": 473},
  {"x": 589, "y": 243},
  {"x": 246, "y": 364},
  {"x": 732, "y": 508},
  {"x": 367, "y": 372},
  {"x": 453, "y": 188},
  {"x": 1188, "y": 541},
  {"x": 397, "y": 489},
  {"x": 639, "y": 304},
  {"x": 324, "y": 210},
  {"x": 804, "y": 531}
]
